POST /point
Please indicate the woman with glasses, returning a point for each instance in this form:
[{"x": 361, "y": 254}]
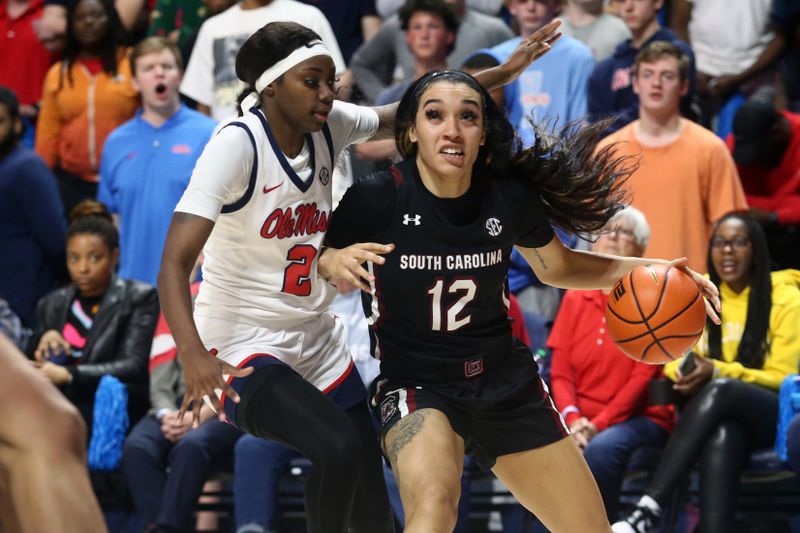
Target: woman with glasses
[{"x": 731, "y": 394}]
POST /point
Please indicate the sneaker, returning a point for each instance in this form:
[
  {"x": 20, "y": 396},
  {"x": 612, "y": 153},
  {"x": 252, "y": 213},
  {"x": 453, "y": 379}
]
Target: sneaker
[{"x": 641, "y": 520}]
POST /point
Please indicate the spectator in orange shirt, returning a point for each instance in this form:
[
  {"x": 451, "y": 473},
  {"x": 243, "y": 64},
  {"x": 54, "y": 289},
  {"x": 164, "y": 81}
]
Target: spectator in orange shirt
[
  {"x": 86, "y": 96},
  {"x": 687, "y": 178}
]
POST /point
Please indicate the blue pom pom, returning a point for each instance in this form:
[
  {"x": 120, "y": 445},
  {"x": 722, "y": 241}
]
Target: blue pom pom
[
  {"x": 109, "y": 425},
  {"x": 788, "y": 406}
]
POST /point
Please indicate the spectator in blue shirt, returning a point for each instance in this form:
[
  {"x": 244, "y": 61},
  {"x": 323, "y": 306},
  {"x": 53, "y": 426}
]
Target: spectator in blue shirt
[
  {"x": 554, "y": 86},
  {"x": 32, "y": 223},
  {"x": 147, "y": 162},
  {"x": 610, "y": 89}
]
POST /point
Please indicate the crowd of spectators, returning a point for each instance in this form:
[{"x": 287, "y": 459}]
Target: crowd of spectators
[{"x": 105, "y": 107}]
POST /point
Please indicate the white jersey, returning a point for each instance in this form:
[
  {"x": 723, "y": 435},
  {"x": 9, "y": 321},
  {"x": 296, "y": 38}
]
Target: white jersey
[{"x": 270, "y": 214}]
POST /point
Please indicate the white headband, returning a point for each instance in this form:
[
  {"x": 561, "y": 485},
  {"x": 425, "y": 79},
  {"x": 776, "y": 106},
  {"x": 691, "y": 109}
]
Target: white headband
[{"x": 312, "y": 49}]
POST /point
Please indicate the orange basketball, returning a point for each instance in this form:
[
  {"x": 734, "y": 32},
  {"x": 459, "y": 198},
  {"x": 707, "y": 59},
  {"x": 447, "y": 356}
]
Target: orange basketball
[{"x": 655, "y": 313}]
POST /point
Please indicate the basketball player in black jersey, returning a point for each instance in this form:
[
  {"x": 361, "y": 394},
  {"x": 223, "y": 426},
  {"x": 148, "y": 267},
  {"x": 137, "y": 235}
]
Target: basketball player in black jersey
[{"x": 453, "y": 379}]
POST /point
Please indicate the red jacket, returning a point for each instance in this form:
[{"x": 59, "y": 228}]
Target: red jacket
[
  {"x": 776, "y": 189},
  {"x": 590, "y": 376}
]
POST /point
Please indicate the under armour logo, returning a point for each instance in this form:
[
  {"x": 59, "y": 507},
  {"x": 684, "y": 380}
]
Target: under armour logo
[
  {"x": 494, "y": 227},
  {"x": 416, "y": 219}
]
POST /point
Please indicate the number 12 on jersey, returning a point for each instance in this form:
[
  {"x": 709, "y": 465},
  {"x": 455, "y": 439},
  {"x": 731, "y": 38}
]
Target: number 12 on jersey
[{"x": 467, "y": 287}]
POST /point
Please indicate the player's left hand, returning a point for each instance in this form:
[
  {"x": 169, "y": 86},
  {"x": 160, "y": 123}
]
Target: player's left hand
[
  {"x": 531, "y": 49},
  {"x": 344, "y": 267},
  {"x": 709, "y": 291},
  {"x": 691, "y": 382}
]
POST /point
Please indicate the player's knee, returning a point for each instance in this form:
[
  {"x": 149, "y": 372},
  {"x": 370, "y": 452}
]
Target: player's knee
[
  {"x": 439, "y": 498},
  {"x": 344, "y": 450}
]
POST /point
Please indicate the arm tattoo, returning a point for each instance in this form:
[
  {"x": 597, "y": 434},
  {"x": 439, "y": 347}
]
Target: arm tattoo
[
  {"x": 540, "y": 258},
  {"x": 404, "y": 431}
]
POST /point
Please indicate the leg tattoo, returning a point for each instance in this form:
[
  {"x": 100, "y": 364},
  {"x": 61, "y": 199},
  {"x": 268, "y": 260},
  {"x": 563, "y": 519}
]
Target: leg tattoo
[{"x": 404, "y": 431}]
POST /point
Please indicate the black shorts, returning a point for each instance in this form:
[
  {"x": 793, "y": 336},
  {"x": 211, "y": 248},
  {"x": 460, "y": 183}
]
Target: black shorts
[{"x": 506, "y": 410}]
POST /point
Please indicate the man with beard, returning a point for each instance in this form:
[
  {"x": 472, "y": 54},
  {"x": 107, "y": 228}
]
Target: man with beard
[
  {"x": 32, "y": 223},
  {"x": 147, "y": 161}
]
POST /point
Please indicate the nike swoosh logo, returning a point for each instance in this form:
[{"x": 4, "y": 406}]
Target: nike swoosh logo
[{"x": 270, "y": 189}]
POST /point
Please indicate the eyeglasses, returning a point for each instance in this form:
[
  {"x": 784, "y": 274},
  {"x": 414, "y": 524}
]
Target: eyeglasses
[
  {"x": 737, "y": 243},
  {"x": 622, "y": 233},
  {"x": 96, "y": 16}
]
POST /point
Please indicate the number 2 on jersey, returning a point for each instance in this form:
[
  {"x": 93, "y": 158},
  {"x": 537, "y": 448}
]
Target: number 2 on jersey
[
  {"x": 452, "y": 322},
  {"x": 296, "y": 276}
]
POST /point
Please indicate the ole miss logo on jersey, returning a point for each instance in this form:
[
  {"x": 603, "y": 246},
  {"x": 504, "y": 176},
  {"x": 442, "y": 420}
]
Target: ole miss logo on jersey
[{"x": 305, "y": 219}]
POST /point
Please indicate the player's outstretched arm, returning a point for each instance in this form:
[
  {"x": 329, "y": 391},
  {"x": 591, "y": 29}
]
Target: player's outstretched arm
[
  {"x": 528, "y": 51},
  {"x": 202, "y": 371},
  {"x": 559, "y": 266}
]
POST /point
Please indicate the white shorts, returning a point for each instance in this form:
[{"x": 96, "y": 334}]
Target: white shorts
[{"x": 316, "y": 349}]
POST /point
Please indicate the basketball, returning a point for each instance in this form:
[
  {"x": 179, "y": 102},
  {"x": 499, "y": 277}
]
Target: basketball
[{"x": 655, "y": 313}]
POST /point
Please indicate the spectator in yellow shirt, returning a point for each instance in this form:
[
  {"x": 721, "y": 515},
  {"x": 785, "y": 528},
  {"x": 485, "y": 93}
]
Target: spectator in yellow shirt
[{"x": 732, "y": 401}]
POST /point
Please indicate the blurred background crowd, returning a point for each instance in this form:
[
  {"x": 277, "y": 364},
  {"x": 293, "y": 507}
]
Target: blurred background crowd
[{"x": 105, "y": 106}]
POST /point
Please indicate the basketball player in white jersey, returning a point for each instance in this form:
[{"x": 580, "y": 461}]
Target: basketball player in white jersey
[{"x": 259, "y": 201}]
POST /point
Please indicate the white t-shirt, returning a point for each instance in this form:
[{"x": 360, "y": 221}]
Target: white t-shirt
[
  {"x": 210, "y": 76},
  {"x": 727, "y": 36},
  {"x": 270, "y": 214}
]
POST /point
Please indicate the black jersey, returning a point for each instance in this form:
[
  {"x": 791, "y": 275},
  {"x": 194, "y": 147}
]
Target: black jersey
[{"x": 438, "y": 309}]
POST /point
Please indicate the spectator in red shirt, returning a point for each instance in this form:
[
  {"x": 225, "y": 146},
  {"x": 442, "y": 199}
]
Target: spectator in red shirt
[
  {"x": 24, "y": 60},
  {"x": 600, "y": 392},
  {"x": 766, "y": 148}
]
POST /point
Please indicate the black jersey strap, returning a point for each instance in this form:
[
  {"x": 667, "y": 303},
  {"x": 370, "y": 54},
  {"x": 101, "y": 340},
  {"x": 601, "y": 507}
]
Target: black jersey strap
[{"x": 251, "y": 186}]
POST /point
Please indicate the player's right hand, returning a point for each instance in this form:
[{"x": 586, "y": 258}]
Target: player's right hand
[
  {"x": 202, "y": 373},
  {"x": 345, "y": 265}
]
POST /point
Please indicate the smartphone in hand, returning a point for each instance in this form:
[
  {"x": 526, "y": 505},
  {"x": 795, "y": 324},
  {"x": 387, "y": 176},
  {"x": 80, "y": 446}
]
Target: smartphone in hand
[{"x": 688, "y": 364}]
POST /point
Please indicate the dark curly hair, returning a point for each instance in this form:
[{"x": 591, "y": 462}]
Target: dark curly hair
[
  {"x": 753, "y": 346},
  {"x": 267, "y": 46},
  {"x": 110, "y": 48},
  {"x": 91, "y": 217},
  {"x": 581, "y": 189}
]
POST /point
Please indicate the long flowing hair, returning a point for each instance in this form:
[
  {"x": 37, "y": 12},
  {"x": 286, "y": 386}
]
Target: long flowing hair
[
  {"x": 110, "y": 47},
  {"x": 581, "y": 188},
  {"x": 753, "y": 346}
]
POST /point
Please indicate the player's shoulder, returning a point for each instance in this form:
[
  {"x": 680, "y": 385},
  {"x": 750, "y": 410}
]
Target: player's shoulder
[
  {"x": 515, "y": 187},
  {"x": 244, "y": 127},
  {"x": 382, "y": 182}
]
